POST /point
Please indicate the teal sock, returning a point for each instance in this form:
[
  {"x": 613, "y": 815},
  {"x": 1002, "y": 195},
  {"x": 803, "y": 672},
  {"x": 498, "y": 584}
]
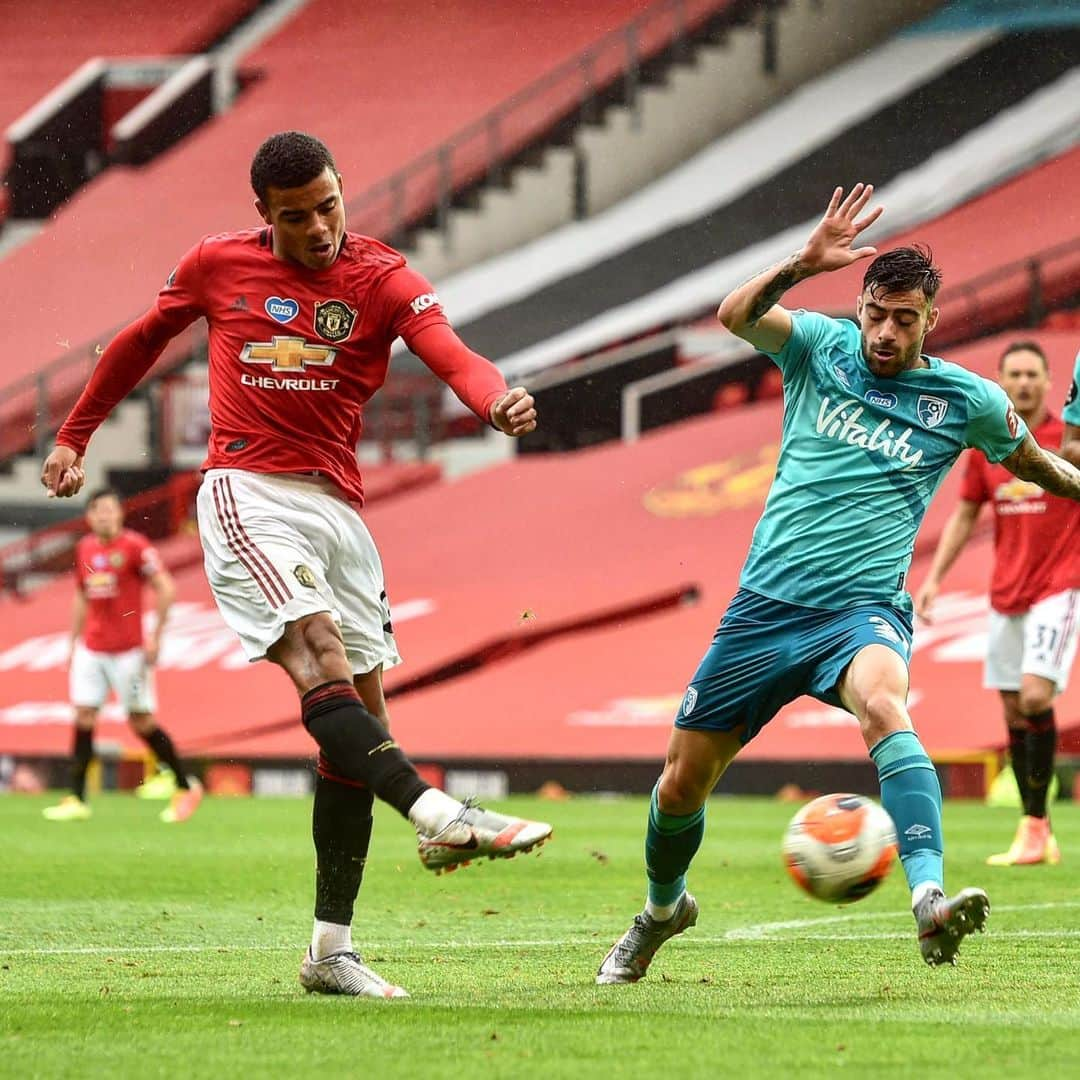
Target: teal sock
[
  {"x": 911, "y": 794},
  {"x": 671, "y": 842}
]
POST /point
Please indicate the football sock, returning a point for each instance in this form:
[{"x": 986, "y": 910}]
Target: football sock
[
  {"x": 357, "y": 747},
  {"x": 433, "y": 811},
  {"x": 911, "y": 794},
  {"x": 328, "y": 939},
  {"x": 82, "y": 754},
  {"x": 1018, "y": 755},
  {"x": 341, "y": 829},
  {"x": 1041, "y": 745},
  {"x": 158, "y": 740},
  {"x": 671, "y": 842}
]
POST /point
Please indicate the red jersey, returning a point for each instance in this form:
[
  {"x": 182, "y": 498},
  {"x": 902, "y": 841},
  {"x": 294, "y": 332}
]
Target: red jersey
[
  {"x": 111, "y": 575},
  {"x": 294, "y": 352},
  {"x": 1036, "y": 549}
]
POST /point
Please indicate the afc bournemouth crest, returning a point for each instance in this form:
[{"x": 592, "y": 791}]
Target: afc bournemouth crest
[
  {"x": 931, "y": 410},
  {"x": 334, "y": 320}
]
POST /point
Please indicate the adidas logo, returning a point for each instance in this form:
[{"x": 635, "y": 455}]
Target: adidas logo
[{"x": 239, "y": 304}]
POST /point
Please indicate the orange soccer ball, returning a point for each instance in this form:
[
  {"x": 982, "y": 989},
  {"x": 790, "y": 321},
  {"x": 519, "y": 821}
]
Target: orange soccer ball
[{"x": 840, "y": 847}]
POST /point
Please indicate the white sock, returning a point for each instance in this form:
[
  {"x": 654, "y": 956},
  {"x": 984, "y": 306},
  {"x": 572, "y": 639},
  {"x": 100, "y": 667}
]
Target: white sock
[
  {"x": 433, "y": 811},
  {"x": 662, "y": 912},
  {"x": 329, "y": 938},
  {"x": 921, "y": 890}
]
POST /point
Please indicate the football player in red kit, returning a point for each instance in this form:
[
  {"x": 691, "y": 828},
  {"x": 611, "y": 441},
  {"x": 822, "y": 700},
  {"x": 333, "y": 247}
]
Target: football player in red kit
[
  {"x": 1034, "y": 599},
  {"x": 301, "y": 318},
  {"x": 108, "y": 653}
]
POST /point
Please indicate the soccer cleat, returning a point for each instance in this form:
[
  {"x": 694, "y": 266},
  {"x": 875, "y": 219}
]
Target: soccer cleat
[
  {"x": 69, "y": 808},
  {"x": 184, "y": 803},
  {"x": 1034, "y": 843},
  {"x": 476, "y": 833},
  {"x": 162, "y": 785},
  {"x": 631, "y": 955},
  {"x": 944, "y": 923},
  {"x": 344, "y": 973}
]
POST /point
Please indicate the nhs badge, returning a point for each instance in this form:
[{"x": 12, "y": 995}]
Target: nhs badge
[
  {"x": 880, "y": 399},
  {"x": 281, "y": 311},
  {"x": 931, "y": 410}
]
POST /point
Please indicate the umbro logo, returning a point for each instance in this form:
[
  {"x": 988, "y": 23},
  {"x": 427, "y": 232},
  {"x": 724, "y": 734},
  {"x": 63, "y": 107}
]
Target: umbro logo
[{"x": 918, "y": 832}]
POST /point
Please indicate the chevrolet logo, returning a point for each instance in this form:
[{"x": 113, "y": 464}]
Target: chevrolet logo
[{"x": 287, "y": 354}]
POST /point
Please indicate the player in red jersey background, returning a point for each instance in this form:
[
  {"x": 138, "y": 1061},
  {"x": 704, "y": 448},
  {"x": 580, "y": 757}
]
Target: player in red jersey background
[
  {"x": 1034, "y": 597},
  {"x": 301, "y": 317},
  {"x": 113, "y": 566}
]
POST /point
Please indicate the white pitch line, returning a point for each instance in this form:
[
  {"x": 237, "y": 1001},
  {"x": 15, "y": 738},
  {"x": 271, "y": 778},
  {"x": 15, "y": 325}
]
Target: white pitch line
[{"x": 758, "y": 932}]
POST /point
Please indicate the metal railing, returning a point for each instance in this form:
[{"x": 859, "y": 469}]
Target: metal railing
[{"x": 424, "y": 189}]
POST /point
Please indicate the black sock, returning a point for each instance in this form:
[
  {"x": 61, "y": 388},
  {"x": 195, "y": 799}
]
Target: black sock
[
  {"x": 82, "y": 754},
  {"x": 1018, "y": 755},
  {"x": 158, "y": 740},
  {"x": 1041, "y": 744},
  {"x": 357, "y": 747},
  {"x": 341, "y": 829}
]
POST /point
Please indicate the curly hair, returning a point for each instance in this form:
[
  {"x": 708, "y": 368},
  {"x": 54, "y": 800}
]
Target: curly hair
[
  {"x": 289, "y": 159},
  {"x": 902, "y": 270}
]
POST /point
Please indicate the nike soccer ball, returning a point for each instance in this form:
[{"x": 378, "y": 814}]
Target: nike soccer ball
[{"x": 840, "y": 847}]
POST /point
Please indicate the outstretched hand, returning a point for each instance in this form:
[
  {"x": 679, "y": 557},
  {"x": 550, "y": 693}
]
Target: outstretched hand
[
  {"x": 829, "y": 246},
  {"x": 515, "y": 412},
  {"x": 62, "y": 474}
]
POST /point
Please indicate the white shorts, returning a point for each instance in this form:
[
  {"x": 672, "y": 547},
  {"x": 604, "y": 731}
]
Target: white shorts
[
  {"x": 1041, "y": 642},
  {"x": 93, "y": 674},
  {"x": 281, "y": 547}
]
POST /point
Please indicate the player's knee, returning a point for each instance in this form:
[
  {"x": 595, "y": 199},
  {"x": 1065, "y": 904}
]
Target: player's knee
[
  {"x": 681, "y": 791},
  {"x": 1035, "y": 700},
  {"x": 883, "y": 713},
  {"x": 141, "y": 723}
]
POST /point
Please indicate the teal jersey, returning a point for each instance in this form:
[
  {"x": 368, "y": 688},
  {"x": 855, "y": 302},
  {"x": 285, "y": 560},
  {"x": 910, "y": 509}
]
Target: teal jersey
[
  {"x": 1071, "y": 413},
  {"x": 860, "y": 460}
]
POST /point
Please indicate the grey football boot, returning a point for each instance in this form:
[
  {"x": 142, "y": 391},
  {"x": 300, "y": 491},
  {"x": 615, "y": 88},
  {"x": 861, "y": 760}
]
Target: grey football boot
[
  {"x": 943, "y": 923},
  {"x": 631, "y": 955},
  {"x": 345, "y": 973}
]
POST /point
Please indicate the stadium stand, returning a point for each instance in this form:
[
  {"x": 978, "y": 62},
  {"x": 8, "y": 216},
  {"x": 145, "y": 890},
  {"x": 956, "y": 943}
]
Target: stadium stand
[
  {"x": 676, "y": 525},
  {"x": 678, "y": 272}
]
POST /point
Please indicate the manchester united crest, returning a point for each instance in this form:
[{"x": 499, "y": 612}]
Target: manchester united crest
[{"x": 334, "y": 320}]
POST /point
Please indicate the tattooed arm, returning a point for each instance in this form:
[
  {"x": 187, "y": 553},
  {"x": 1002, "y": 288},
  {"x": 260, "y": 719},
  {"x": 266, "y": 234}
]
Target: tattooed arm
[
  {"x": 1031, "y": 462},
  {"x": 751, "y": 311}
]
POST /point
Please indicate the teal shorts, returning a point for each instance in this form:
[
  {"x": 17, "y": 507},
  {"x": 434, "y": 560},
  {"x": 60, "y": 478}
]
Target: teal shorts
[{"x": 766, "y": 653}]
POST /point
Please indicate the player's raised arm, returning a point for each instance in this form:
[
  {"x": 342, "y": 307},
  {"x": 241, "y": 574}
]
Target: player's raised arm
[
  {"x": 1031, "y": 462},
  {"x": 752, "y": 311}
]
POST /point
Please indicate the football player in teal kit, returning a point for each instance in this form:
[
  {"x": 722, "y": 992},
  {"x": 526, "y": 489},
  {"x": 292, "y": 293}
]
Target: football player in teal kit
[{"x": 871, "y": 426}]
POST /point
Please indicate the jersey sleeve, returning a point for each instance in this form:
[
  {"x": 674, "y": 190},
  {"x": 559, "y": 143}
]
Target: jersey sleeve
[
  {"x": 1071, "y": 413},
  {"x": 973, "y": 486},
  {"x": 408, "y": 304},
  {"x": 149, "y": 559},
  {"x": 809, "y": 331},
  {"x": 993, "y": 425}
]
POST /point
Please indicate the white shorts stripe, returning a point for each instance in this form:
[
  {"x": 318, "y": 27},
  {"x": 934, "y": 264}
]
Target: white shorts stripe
[
  {"x": 240, "y": 549},
  {"x": 1066, "y": 630},
  {"x": 271, "y": 569}
]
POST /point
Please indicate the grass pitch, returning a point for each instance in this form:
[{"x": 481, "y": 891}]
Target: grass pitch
[{"x": 129, "y": 948}]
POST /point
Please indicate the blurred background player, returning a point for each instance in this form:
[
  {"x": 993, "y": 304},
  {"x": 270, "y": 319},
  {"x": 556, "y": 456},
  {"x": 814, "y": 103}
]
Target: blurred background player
[
  {"x": 1034, "y": 598},
  {"x": 109, "y": 653},
  {"x": 871, "y": 426},
  {"x": 302, "y": 315}
]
